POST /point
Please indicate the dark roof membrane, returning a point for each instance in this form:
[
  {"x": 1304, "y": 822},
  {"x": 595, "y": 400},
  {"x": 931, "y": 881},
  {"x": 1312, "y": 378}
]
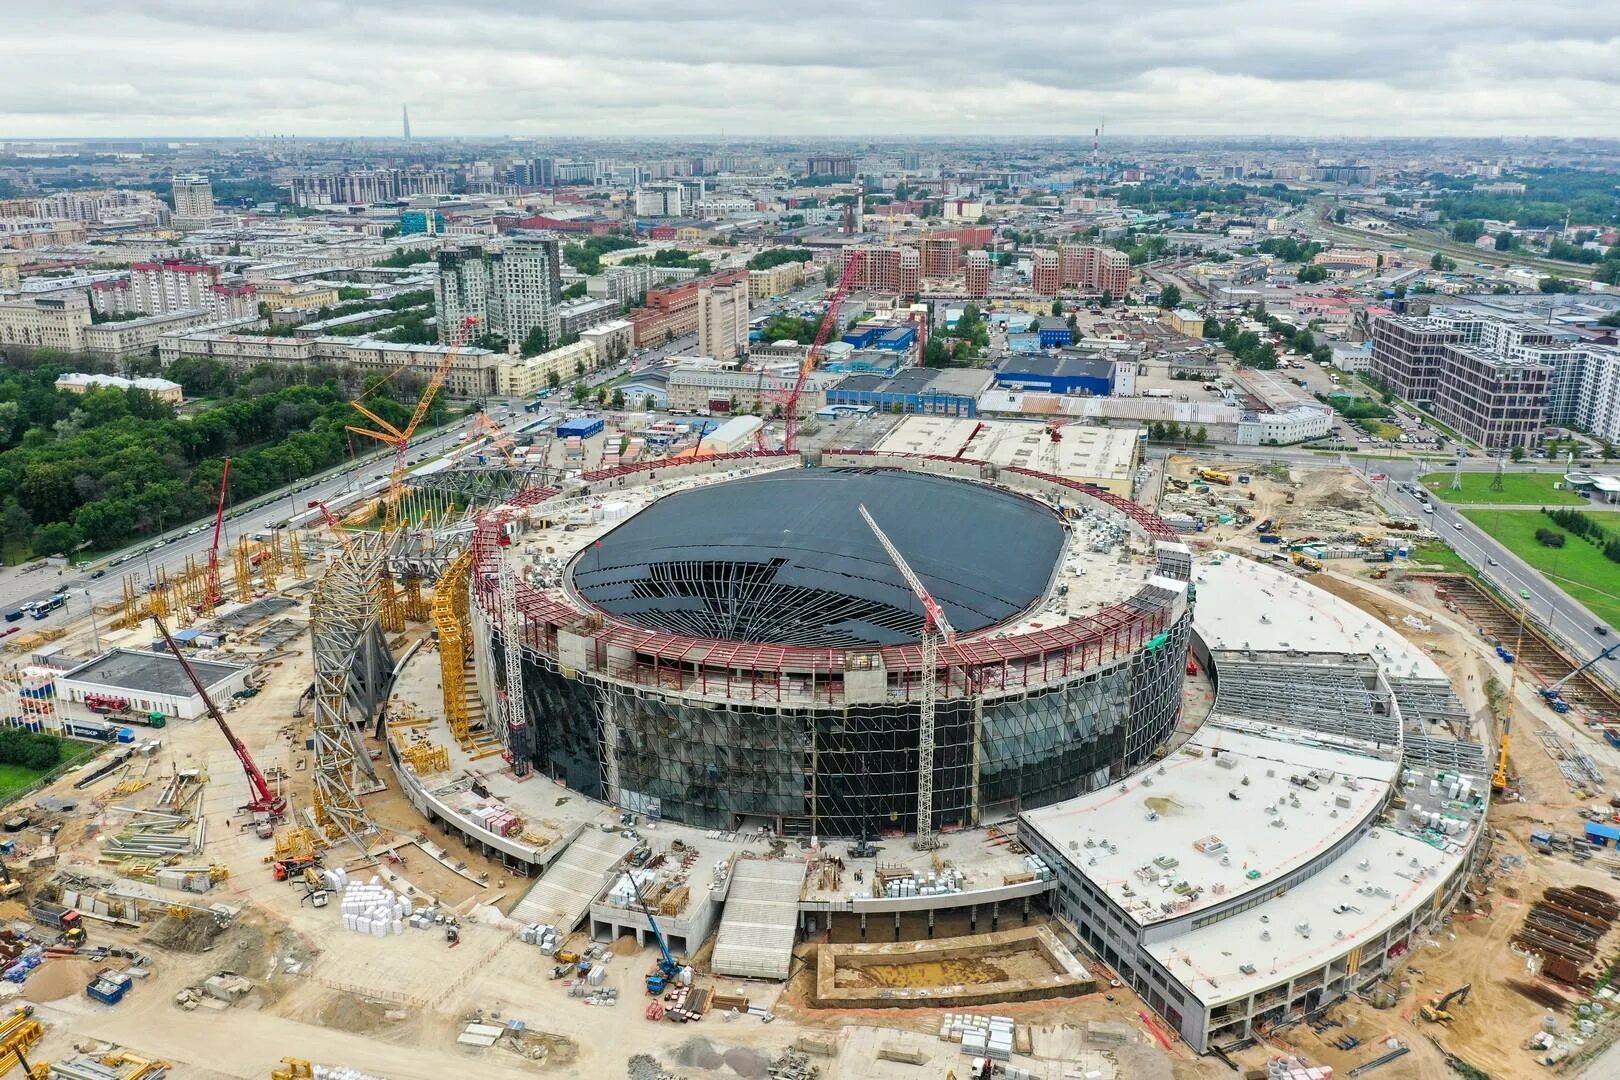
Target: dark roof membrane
[{"x": 786, "y": 559}]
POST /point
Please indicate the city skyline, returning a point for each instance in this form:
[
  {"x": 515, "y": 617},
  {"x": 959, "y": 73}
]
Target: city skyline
[{"x": 184, "y": 69}]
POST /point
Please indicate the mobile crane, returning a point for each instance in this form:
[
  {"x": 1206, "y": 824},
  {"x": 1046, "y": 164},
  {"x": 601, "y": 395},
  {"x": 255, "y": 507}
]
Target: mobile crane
[
  {"x": 666, "y": 969},
  {"x": 1549, "y": 693},
  {"x": 265, "y": 799}
]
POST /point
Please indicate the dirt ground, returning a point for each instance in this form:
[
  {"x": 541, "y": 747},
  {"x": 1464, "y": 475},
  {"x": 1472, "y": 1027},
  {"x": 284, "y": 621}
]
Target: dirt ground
[{"x": 1001, "y": 967}]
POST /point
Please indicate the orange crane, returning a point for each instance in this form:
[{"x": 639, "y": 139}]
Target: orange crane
[
  {"x": 334, "y": 524},
  {"x": 498, "y": 438},
  {"x": 400, "y": 438},
  {"x": 265, "y": 800},
  {"x": 790, "y": 400}
]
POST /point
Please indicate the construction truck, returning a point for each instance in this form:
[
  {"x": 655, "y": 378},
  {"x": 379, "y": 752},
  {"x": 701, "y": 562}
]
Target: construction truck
[
  {"x": 1215, "y": 476},
  {"x": 1305, "y": 562},
  {"x": 1434, "y": 1010},
  {"x": 57, "y": 917}
]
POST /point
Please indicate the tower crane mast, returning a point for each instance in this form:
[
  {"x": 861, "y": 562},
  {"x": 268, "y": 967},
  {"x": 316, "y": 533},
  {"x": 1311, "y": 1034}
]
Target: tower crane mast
[
  {"x": 790, "y": 400},
  {"x": 935, "y": 627}
]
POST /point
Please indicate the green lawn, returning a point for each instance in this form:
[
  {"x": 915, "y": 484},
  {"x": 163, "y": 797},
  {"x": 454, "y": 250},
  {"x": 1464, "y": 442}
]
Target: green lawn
[
  {"x": 15, "y": 779},
  {"x": 1440, "y": 556},
  {"x": 1518, "y": 489},
  {"x": 1578, "y": 568}
]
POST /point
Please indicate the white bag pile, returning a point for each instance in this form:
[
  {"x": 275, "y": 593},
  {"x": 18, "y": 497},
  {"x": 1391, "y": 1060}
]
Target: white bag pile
[
  {"x": 341, "y": 1072},
  {"x": 373, "y": 908}
]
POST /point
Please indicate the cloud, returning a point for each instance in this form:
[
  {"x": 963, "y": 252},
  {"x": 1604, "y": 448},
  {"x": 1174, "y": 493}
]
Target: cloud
[{"x": 940, "y": 67}]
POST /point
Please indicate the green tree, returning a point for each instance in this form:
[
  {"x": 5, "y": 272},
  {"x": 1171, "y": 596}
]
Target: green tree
[
  {"x": 57, "y": 538},
  {"x": 1310, "y": 274},
  {"x": 1170, "y": 297},
  {"x": 1057, "y": 307},
  {"x": 1466, "y": 232},
  {"x": 552, "y": 381},
  {"x": 1439, "y": 262},
  {"x": 1506, "y": 241},
  {"x": 579, "y": 369},
  {"x": 1202, "y": 436},
  {"x": 1156, "y": 432},
  {"x": 617, "y": 401},
  {"x": 1517, "y": 453},
  {"x": 1340, "y": 216},
  {"x": 649, "y": 403},
  {"x": 1303, "y": 342},
  {"x": 581, "y": 392},
  {"x": 1558, "y": 285},
  {"x": 602, "y": 394},
  {"x": 536, "y": 342},
  {"x": 1107, "y": 299}
]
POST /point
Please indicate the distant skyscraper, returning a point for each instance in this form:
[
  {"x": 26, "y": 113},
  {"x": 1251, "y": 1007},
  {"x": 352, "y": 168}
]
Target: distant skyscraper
[{"x": 405, "y": 119}]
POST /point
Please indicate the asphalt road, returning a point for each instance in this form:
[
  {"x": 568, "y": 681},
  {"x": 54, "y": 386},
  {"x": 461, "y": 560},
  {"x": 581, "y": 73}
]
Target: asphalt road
[
  {"x": 19, "y": 586},
  {"x": 1543, "y": 602}
]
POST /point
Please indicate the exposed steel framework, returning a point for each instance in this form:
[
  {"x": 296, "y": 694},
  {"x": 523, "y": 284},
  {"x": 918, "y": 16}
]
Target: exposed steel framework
[{"x": 768, "y": 673}]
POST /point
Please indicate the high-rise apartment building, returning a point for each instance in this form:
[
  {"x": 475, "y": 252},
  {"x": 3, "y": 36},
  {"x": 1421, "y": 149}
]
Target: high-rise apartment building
[
  {"x": 940, "y": 256},
  {"x": 1085, "y": 268},
  {"x": 193, "y": 197},
  {"x": 723, "y": 319},
  {"x": 157, "y": 288},
  {"x": 510, "y": 286},
  {"x": 830, "y": 165},
  {"x": 659, "y": 200},
  {"x": 53, "y": 321},
  {"x": 977, "y": 273},
  {"x": 365, "y": 186},
  {"x": 885, "y": 268}
]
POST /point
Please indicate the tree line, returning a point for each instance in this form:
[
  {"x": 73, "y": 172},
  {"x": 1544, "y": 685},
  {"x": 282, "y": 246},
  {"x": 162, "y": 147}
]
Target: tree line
[
  {"x": 109, "y": 466},
  {"x": 1584, "y": 526}
]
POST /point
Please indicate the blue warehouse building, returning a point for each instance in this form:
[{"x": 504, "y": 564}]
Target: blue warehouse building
[
  {"x": 895, "y": 337},
  {"x": 953, "y": 392},
  {"x": 1055, "y": 332},
  {"x": 1077, "y": 375}
]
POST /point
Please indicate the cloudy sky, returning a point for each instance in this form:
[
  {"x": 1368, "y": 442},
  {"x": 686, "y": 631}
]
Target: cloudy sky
[{"x": 627, "y": 67}]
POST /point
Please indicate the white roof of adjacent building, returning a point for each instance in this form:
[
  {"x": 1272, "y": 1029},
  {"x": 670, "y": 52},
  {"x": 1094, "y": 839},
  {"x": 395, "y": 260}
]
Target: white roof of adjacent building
[
  {"x": 1218, "y": 819},
  {"x": 117, "y": 382},
  {"x": 1245, "y": 605},
  {"x": 1080, "y": 452}
]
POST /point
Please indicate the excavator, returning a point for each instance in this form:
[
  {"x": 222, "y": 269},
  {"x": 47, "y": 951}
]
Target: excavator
[{"x": 1434, "y": 1011}]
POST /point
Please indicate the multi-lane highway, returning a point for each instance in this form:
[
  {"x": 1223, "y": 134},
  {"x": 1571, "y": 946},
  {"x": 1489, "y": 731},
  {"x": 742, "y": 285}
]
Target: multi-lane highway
[{"x": 103, "y": 579}]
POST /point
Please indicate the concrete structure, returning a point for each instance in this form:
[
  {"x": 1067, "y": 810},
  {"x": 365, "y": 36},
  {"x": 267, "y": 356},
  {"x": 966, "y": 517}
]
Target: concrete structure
[
  {"x": 658, "y": 200},
  {"x": 162, "y": 389},
  {"x": 776, "y": 281},
  {"x": 1303, "y": 839},
  {"x": 1048, "y": 691},
  {"x": 1100, "y": 457},
  {"x": 50, "y": 321},
  {"x": 884, "y": 268},
  {"x": 156, "y": 288},
  {"x": 939, "y": 255},
  {"x": 723, "y": 319},
  {"x": 1084, "y": 268},
  {"x": 150, "y": 682},
  {"x": 672, "y": 312},
  {"x": 613, "y": 340},
  {"x": 366, "y": 186}
]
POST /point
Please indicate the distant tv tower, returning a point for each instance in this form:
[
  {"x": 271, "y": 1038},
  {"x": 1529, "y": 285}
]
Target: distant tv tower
[{"x": 405, "y": 119}]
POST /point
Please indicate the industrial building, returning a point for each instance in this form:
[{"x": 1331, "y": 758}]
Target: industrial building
[
  {"x": 1100, "y": 457},
  {"x": 723, "y": 642},
  {"x": 935, "y": 391},
  {"x": 149, "y": 682},
  {"x": 1075, "y": 373}
]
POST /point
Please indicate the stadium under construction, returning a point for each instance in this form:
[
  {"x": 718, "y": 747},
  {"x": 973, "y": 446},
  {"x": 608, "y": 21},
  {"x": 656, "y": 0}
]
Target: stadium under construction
[{"x": 727, "y": 643}]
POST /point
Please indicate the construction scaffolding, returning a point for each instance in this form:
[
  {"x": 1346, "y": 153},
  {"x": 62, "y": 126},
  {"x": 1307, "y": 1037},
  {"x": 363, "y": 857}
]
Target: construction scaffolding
[
  {"x": 352, "y": 670},
  {"x": 463, "y": 708}
]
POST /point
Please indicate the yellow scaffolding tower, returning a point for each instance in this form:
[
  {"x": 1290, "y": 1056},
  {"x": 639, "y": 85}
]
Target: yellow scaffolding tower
[
  {"x": 416, "y": 605},
  {"x": 244, "y": 571},
  {"x": 296, "y": 557},
  {"x": 452, "y": 620},
  {"x": 393, "y": 612}
]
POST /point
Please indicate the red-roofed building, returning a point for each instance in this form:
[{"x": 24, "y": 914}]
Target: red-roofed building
[{"x": 157, "y": 288}]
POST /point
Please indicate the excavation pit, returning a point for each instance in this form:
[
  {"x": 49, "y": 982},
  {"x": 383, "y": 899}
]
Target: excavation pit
[{"x": 981, "y": 969}]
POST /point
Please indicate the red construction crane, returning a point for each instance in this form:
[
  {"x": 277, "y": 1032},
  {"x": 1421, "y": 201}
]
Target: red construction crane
[
  {"x": 215, "y": 593},
  {"x": 334, "y": 524},
  {"x": 265, "y": 800},
  {"x": 790, "y": 400}
]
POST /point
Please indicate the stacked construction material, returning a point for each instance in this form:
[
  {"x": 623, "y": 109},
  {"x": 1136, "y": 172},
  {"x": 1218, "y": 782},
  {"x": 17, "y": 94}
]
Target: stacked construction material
[
  {"x": 980, "y": 1036},
  {"x": 497, "y": 818},
  {"x": 374, "y": 908},
  {"x": 342, "y": 1072},
  {"x": 1293, "y": 1068},
  {"x": 1564, "y": 928}
]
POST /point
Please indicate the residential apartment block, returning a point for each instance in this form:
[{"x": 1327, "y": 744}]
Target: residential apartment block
[
  {"x": 471, "y": 373},
  {"x": 156, "y": 288},
  {"x": 508, "y": 286},
  {"x": 48, "y": 321},
  {"x": 776, "y": 281},
  {"x": 367, "y": 186},
  {"x": 723, "y": 319},
  {"x": 1084, "y": 268},
  {"x": 1498, "y": 377}
]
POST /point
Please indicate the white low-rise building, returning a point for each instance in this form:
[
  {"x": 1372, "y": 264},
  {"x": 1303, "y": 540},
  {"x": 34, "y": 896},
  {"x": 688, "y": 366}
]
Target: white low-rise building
[{"x": 1298, "y": 424}]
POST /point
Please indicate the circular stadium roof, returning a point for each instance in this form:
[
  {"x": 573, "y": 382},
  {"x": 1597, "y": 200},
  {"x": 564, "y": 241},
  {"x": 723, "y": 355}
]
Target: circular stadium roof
[{"x": 786, "y": 559}]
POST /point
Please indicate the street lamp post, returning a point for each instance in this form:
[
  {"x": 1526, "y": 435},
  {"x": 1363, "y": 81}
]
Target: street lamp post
[{"x": 95, "y": 628}]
